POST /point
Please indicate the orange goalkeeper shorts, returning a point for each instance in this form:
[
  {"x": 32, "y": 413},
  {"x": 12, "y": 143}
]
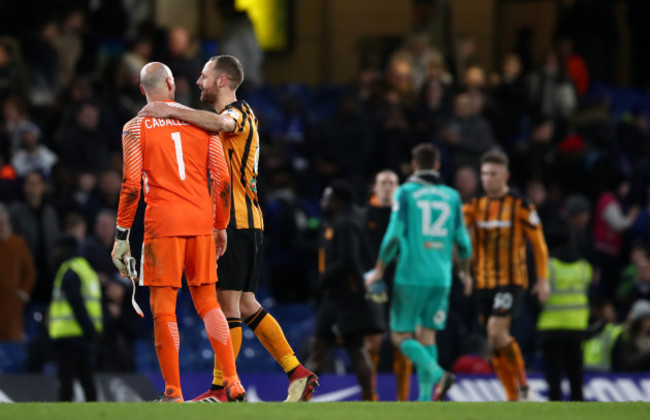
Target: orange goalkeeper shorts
[{"x": 164, "y": 259}]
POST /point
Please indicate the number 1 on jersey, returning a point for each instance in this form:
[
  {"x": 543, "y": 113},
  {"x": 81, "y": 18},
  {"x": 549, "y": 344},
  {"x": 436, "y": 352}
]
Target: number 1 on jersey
[{"x": 178, "y": 145}]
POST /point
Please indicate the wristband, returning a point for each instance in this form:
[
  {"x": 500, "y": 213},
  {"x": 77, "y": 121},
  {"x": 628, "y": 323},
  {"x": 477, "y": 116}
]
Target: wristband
[{"x": 121, "y": 234}]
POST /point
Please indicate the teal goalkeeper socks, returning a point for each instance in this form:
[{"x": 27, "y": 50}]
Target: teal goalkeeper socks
[
  {"x": 428, "y": 370},
  {"x": 433, "y": 352}
]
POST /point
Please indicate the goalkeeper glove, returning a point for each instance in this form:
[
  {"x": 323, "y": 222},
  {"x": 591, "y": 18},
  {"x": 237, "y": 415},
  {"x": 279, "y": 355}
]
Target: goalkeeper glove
[
  {"x": 121, "y": 249},
  {"x": 377, "y": 292}
]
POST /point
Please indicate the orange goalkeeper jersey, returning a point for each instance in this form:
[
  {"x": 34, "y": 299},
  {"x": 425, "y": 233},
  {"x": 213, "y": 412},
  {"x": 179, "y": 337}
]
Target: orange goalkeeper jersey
[{"x": 171, "y": 159}]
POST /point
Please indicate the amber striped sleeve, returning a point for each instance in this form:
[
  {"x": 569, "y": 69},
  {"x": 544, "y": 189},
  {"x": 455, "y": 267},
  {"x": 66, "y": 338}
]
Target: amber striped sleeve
[
  {"x": 220, "y": 176},
  {"x": 535, "y": 234}
]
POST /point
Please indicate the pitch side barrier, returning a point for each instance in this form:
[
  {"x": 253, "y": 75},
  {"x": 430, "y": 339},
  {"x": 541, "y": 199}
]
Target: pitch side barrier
[
  {"x": 273, "y": 387},
  {"x": 468, "y": 388}
]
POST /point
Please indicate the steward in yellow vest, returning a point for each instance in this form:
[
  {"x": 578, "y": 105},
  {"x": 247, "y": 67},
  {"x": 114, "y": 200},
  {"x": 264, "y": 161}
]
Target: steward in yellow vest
[
  {"x": 75, "y": 319},
  {"x": 563, "y": 321}
]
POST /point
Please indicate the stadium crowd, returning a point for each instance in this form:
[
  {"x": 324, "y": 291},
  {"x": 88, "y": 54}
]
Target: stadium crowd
[{"x": 579, "y": 149}]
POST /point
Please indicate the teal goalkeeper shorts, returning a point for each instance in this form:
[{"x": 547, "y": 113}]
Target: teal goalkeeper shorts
[{"x": 411, "y": 306}]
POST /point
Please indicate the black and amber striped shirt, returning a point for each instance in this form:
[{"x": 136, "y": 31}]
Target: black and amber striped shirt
[
  {"x": 499, "y": 228},
  {"x": 242, "y": 149}
]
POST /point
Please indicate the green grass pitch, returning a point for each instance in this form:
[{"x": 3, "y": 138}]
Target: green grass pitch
[{"x": 335, "y": 411}]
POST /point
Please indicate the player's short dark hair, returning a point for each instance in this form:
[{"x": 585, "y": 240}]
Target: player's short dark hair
[
  {"x": 343, "y": 192},
  {"x": 426, "y": 156},
  {"x": 496, "y": 157},
  {"x": 231, "y": 67}
]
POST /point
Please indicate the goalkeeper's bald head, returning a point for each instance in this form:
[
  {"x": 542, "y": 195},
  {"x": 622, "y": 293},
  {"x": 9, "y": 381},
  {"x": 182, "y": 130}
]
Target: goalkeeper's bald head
[{"x": 157, "y": 81}]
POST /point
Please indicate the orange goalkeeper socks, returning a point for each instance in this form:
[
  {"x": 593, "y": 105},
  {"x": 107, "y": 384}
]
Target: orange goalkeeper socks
[{"x": 163, "y": 307}]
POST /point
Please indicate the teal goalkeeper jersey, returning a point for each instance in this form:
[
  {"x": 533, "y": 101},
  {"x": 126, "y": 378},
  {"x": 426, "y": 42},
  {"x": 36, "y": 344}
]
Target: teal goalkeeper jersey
[{"x": 425, "y": 223}]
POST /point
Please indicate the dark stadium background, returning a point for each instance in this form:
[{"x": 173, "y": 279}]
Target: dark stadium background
[{"x": 335, "y": 99}]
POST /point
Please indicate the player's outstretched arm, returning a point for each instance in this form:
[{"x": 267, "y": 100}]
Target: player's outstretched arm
[{"x": 206, "y": 120}]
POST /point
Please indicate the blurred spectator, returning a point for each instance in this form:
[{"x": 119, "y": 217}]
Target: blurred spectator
[
  {"x": 85, "y": 198},
  {"x": 17, "y": 277},
  {"x": 69, "y": 45},
  {"x": 368, "y": 88},
  {"x": 511, "y": 97},
  {"x": 121, "y": 328},
  {"x": 632, "y": 137},
  {"x": 469, "y": 134},
  {"x": 603, "y": 344},
  {"x": 293, "y": 133},
  {"x": 399, "y": 81},
  {"x": 238, "y": 38},
  {"x": 287, "y": 233},
  {"x": 185, "y": 64},
  {"x": 575, "y": 65},
  {"x": 550, "y": 89},
  {"x": 350, "y": 129},
  {"x": 37, "y": 222},
  {"x": 13, "y": 75},
  {"x": 85, "y": 146},
  {"x": 32, "y": 156},
  {"x": 635, "y": 280},
  {"x": 97, "y": 248},
  {"x": 537, "y": 155},
  {"x": 108, "y": 189},
  {"x": 14, "y": 115},
  {"x": 577, "y": 219},
  {"x": 547, "y": 206},
  {"x": 432, "y": 111},
  {"x": 8, "y": 180},
  {"x": 634, "y": 354},
  {"x": 421, "y": 56},
  {"x": 522, "y": 47},
  {"x": 592, "y": 27},
  {"x": 466, "y": 182},
  {"x": 80, "y": 92},
  {"x": 75, "y": 226},
  {"x": 475, "y": 85},
  {"x": 393, "y": 139},
  {"x": 465, "y": 56},
  {"x": 124, "y": 79},
  {"x": 137, "y": 55},
  {"x": 44, "y": 64},
  {"x": 610, "y": 221}
]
